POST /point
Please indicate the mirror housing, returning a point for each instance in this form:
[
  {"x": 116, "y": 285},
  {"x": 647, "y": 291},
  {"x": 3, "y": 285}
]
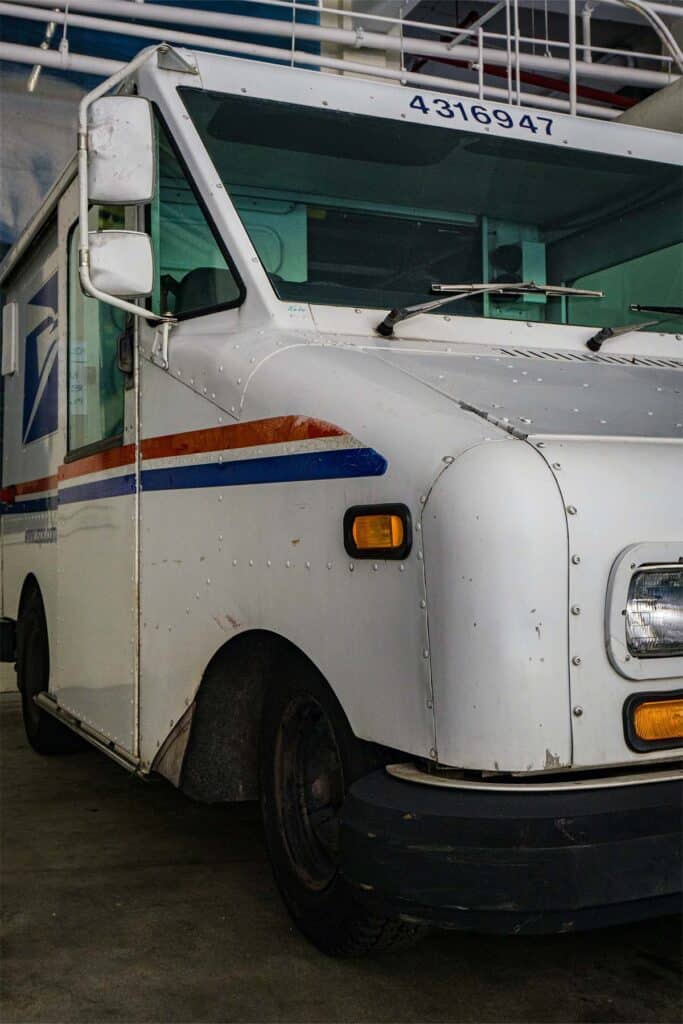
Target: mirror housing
[
  {"x": 121, "y": 151},
  {"x": 121, "y": 263}
]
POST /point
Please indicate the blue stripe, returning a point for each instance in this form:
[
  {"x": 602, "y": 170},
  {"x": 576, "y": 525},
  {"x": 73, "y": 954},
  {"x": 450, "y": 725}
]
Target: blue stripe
[
  {"x": 111, "y": 487},
  {"x": 330, "y": 465},
  {"x": 20, "y": 508},
  {"x": 344, "y": 462}
]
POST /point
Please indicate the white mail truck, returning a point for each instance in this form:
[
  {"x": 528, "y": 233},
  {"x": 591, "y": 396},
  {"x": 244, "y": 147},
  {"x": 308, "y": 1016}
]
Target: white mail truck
[{"x": 343, "y": 469}]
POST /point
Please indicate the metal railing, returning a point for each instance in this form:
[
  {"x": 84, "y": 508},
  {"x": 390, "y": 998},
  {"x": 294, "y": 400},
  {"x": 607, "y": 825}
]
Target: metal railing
[{"x": 461, "y": 59}]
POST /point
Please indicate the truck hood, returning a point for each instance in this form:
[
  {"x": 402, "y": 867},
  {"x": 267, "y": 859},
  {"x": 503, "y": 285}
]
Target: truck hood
[{"x": 536, "y": 392}]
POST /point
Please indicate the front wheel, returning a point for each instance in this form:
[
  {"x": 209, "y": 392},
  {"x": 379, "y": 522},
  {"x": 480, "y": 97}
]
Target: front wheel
[{"x": 309, "y": 758}]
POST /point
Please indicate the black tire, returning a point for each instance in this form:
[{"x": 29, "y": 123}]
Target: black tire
[
  {"x": 45, "y": 734},
  {"x": 308, "y": 759}
]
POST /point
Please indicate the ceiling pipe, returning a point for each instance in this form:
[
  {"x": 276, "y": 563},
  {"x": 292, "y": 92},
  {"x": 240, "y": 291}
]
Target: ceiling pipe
[
  {"x": 348, "y": 38},
  {"x": 19, "y": 54},
  {"x": 196, "y": 41}
]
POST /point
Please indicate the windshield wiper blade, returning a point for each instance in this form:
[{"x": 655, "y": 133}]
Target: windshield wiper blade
[
  {"x": 455, "y": 292},
  {"x": 596, "y": 341},
  {"x": 675, "y": 310}
]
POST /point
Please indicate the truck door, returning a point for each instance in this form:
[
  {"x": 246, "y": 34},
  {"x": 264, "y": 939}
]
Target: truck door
[{"x": 96, "y": 655}]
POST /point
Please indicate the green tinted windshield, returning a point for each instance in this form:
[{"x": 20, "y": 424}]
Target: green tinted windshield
[{"x": 346, "y": 209}]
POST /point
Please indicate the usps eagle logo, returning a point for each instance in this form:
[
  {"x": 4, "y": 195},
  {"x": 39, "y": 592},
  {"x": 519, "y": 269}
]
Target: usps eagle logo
[{"x": 40, "y": 367}]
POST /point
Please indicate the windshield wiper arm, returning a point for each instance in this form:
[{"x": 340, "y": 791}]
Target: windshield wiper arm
[
  {"x": 675, "y": 310},
  {"x": 596, "y": 341},
  {"x": 455, "y": 292}
]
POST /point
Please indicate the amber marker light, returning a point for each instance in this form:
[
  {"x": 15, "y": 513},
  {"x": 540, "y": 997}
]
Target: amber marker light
[
  {"x": 654, "y": 723},
  {"x": 377, "y": 531}
]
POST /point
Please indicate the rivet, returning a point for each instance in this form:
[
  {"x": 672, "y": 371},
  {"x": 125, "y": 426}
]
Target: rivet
[
  {"x": 425, "y": 653},
  {"x": 541, "y": 444},
  {"x": 576, "y": 610},
  {"x": 571, "y": 509},
  {"x": 432, "y": 753},
  {"x": 423, "y": 603},
  {"x": 633, "y": 565},
  {"x": 269, "y": 563},
  {"x": 576, "y": 660},
  {"x": 351, "y": 566},
  {"x": 234, "y": 561},
  {"x": 251, "y": 561},
  {"x": 418, "y": 526},
  {"x": 576, "y": 559},
  {"x": 375, "y": 567},
  {"x": 329, "y": 565},
  {"x": 288, "y": 564},
  {"x": 577, "y": 711},
  {"x": 422, "y": 499},
  {"x": 429, "y": 703},
  {"x": 401, "y": 568},
  {"x": 208, "y": 583},
  {"x": 308, "y": 565},
  {"x": 448, "y": 459},
  {"x": 556, "y": 465}
]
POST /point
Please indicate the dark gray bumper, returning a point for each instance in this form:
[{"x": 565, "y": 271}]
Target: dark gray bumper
[{"x": 517, "y": 861}]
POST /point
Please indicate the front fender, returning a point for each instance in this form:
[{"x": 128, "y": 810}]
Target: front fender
[{"x": 496, "y": 563}]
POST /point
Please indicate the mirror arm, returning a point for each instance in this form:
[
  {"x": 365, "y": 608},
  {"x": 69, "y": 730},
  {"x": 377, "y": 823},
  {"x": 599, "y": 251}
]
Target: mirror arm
[{"x": 84, "y": 243}]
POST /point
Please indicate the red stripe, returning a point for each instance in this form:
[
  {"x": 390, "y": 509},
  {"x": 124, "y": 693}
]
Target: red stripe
[
  {"x": 277, "y": 430},
  {"x": 47, "y": 483},
  {"x": 112, "y": 458}
]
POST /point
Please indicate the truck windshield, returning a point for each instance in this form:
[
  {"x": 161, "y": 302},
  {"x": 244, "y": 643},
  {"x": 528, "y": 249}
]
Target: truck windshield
[{"x": 352, "y": 210}]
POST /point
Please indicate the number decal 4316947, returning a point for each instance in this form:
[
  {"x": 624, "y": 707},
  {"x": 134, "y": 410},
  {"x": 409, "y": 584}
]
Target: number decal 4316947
[{"x": 483, "y": 115}]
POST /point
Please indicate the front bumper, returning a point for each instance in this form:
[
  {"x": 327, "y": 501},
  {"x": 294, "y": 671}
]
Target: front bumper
[{"x": 514, "y": 861}]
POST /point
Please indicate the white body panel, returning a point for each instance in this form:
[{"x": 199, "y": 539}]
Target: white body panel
[
  {"x": 610, "y": 483},
  {"x": 496, "y": 562}
]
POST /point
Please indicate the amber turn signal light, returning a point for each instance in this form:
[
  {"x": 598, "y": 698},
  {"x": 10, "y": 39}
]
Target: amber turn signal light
[
  {"x": 654, "y": 720},
  {"x": 377, "y": 531},
  {"x": 659, "y": 720}
]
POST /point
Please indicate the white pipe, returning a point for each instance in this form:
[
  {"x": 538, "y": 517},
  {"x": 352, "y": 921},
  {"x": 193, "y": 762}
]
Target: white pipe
[
  {"x": 45, "y": 45},
  {"x": 659, "y": 27},
  {"x": 344, "y": 37},
  {"x": 518, "y": 73},
  {"x": 19, "y": 54},
  {"x": 305, "y": 58},
  {"x": 586, "y": 14},
  {"x": 571, "y": 17}
]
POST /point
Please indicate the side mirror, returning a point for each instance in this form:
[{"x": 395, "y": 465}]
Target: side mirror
[
  {"x": 121, "y": 262},
  {"x": 120, "y": 150}
]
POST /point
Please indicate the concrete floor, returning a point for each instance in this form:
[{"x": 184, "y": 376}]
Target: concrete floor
[{"x": 123, "y": 901}]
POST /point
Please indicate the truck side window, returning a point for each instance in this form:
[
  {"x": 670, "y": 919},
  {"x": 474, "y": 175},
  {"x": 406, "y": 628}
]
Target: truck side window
[
  {"x": 194, "y": 274},
  {"x": 96, "y": 385}
]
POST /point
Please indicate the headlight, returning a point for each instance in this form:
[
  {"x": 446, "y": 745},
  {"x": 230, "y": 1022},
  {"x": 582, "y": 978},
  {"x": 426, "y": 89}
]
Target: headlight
[{"x": 654, "y": 612}]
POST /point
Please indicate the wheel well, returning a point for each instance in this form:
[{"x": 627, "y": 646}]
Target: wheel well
[
  {"x": 30, "y": 585},
  {"x": 221, "y": 762}
]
